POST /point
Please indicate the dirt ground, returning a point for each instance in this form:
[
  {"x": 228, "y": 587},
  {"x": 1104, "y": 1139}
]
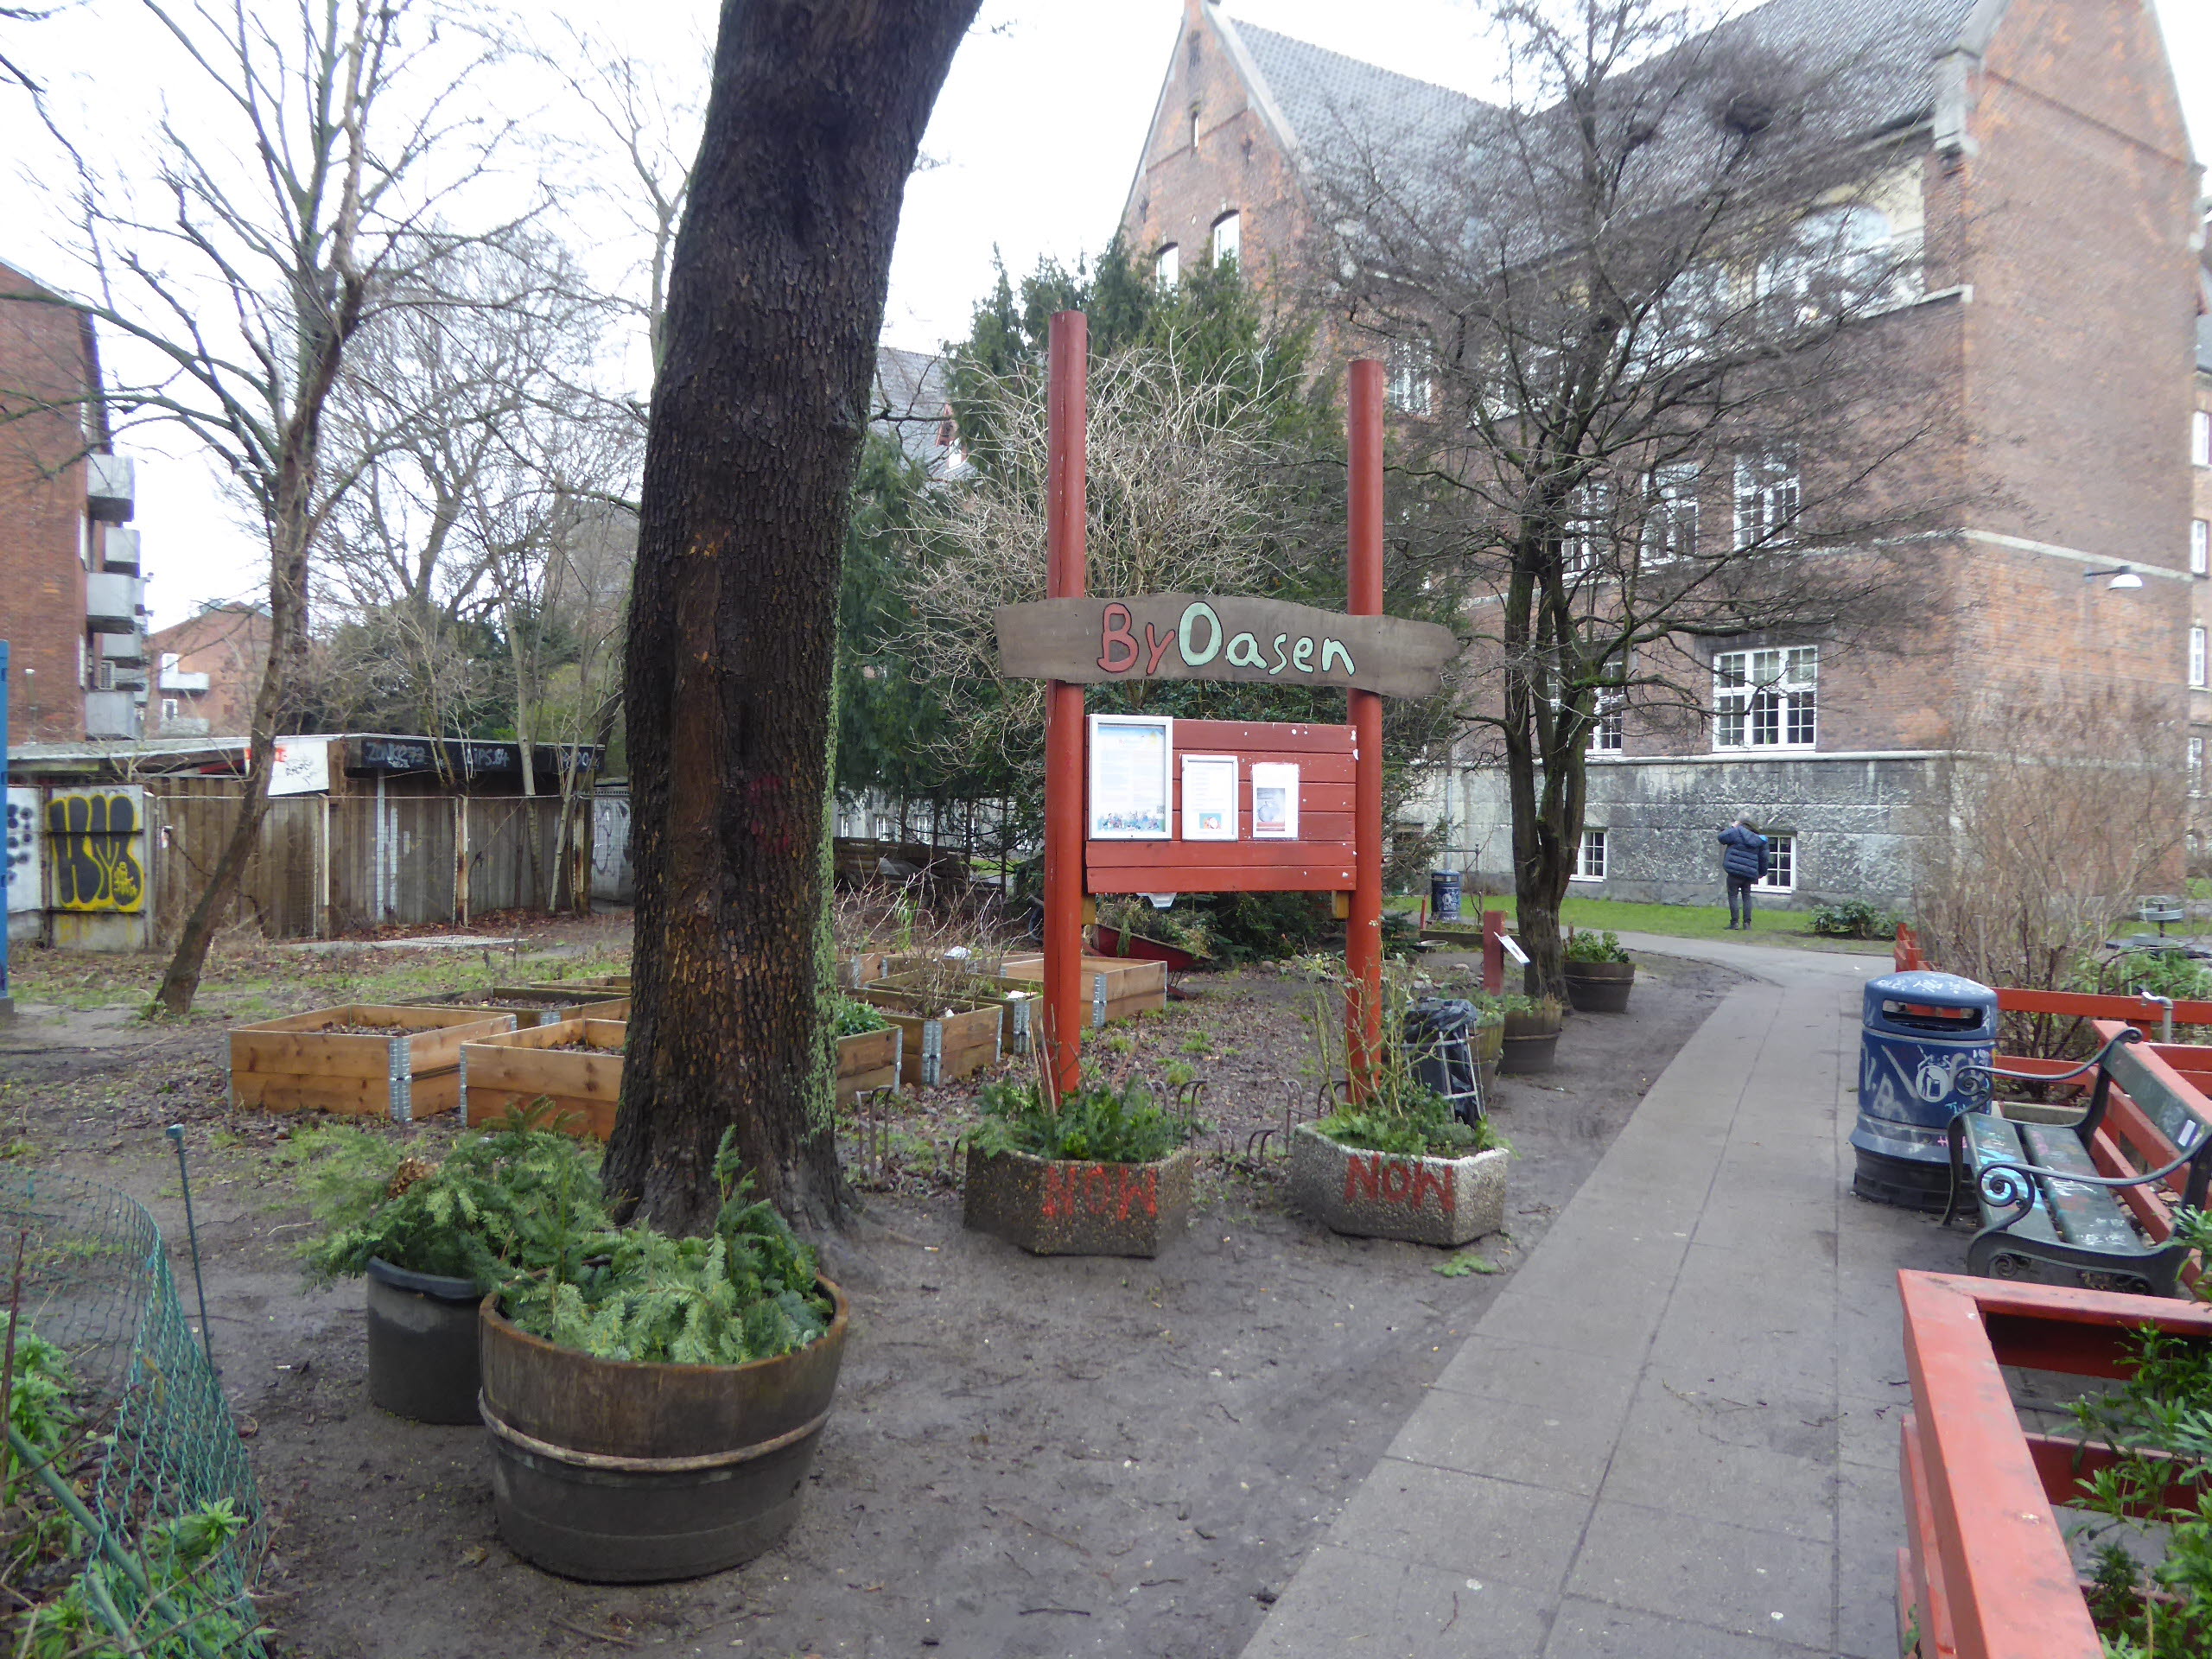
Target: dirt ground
[{"x": 1030, "y": 1457}]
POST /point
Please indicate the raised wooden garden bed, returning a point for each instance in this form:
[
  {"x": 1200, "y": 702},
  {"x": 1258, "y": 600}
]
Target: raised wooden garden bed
[
  {"x": 1985, "y": 1572},
  {"x": 583, "y": 1090},
  {"x": 1113, "y": 988},
  {"x": 1062, "y": 1207},
  {"x": 1017, "y": 1001},
  {"x": 859, "y": 968},
  {"x": 939, "y": 1046},
  {"x": 866, "y": 1060},
  {"x": 361, "y": 1059},
  {"x": 535, "y": 1005},
  {"x": 1444, "y": 1201},
  {"x": 600, "y": 986}
]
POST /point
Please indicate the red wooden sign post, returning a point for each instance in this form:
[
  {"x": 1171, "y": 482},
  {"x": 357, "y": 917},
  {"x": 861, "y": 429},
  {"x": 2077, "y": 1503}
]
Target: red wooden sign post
[{"x": 1319, "y": 829}]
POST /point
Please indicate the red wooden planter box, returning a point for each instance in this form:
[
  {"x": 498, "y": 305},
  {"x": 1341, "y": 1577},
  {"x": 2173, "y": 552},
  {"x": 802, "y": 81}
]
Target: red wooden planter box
[
  {"x": 1985, "y": 1572},
  {"x": 1140, "y": 949}
]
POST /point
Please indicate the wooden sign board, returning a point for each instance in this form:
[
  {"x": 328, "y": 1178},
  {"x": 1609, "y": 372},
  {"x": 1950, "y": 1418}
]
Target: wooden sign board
[
  {"x": 1320, "y": 859},
  {"x": 1199, "y": 637}
]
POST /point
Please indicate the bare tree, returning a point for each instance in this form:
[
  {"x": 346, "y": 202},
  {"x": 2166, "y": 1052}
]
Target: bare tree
[
  {"x": 274, "y": 226},
  {"x": 775, "y": 296},
  {"x": 1639, "y": 318}
]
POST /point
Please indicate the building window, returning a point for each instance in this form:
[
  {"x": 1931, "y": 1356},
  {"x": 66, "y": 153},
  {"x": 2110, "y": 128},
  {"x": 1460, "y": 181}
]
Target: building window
[
  {"x": 2195, "y": 768},
  {"x": 1780, "y": 865},
  {"x": 1670, "y": 526},
  {"x": 2196, "y": 658},
  {"x": 2200, "y": 438},
  {"x": 1768, "y": 496},
  {"x": 1766, "y": 699},
  {"x": 1228, "y": 238},
  {"x": 1194, "y": 126},
  {"x": 1167, "y": 266},
  {"x": 1589, "y": 527},
  {"x": 1612, "y": 703},
  {"x": 2200, "y": 547},
  {"x": 1412, "y": 378},
  {"x": 1590, "y": 857},
  {"x": 168, "y": 712}
]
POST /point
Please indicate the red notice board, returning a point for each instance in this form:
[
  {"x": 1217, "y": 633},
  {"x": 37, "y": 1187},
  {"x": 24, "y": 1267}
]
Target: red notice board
[{"x": 1320, "y": 861}]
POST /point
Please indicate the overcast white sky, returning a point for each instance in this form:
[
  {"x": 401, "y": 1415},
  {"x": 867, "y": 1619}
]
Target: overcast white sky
[{"x": 1037, "y": 135}]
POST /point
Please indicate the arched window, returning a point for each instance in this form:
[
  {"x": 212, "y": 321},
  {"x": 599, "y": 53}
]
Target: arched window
[
  {"x": 1167, "y": 266},
  {"x": 1228, "y": 238}
]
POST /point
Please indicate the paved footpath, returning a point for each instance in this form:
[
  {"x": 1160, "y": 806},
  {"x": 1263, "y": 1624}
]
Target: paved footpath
[{"x": 1673, "y": 1434}]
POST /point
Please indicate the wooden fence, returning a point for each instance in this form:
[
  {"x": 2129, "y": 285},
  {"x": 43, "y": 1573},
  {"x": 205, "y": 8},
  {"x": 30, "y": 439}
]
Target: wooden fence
[{"x": 327, "y": 866}]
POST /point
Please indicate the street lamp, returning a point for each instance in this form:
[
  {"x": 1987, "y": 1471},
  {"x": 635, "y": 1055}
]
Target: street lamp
[{"x": 2123, "y": 578}]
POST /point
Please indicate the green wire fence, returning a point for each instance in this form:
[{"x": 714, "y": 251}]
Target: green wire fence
[{"x": 163, "y": 1447}]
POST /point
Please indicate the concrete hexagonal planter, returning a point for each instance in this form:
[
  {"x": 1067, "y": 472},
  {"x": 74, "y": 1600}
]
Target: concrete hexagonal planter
[
  {"x": 1379, "y": 1195},
  {"x": 1065, "y": 1207}
]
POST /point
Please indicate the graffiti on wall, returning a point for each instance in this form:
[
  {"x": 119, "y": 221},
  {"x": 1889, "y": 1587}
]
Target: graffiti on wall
[
  {"x": 96, "y": 842},
  {"x": 25, "y": 891}
]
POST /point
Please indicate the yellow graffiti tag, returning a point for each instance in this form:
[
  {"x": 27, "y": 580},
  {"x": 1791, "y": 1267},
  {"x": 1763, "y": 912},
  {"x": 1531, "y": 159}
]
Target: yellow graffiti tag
[{"x": 92, "y": 840}]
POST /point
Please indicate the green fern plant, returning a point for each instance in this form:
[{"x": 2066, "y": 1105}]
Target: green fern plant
[{"x": 1099, "y": 1122}]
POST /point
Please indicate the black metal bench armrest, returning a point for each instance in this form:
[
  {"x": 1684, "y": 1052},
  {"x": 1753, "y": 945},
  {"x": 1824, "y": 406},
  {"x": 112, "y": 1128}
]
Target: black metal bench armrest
[
  {"x": 1974, "y": 1080},
  {"x": 2004, "y": 1185}
]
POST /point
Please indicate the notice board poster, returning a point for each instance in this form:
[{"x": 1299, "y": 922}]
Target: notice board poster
[
  {"x": 1209, "y": 798},
  {"x": 1131, "y": 780},
  {"x": 1274, "y": 801}
]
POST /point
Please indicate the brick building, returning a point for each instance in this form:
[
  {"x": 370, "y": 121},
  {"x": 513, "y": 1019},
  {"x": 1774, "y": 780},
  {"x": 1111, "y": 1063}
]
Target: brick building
[
  {"x": 2200, "y": 567},
  {"x": 2032, "y": 156},
  {"x": 207, "y": 671},
  {"x": 73, "y": 610}
]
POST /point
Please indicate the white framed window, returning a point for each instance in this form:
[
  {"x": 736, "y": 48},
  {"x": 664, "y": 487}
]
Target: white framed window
[
  {"x": 1228, "y": 238},
  {"x": 1766, "y": 699},
  {"x": 1670, "y": 522},
  {"x": 1413, "y": 389},
  {"x": 1590, "y": 857},
  {"x": 1167, "y": 266},
  {"x": 1768, "y": 496},
  {"x": 1589, "y": 527},
  {"x": 1780, "y": 865},
  {"x": 2200, "y": 438},
  {"x": 2195, "y": 767},
  {"x": 2200, "y": 547},
  {"x": 1612, "y": 705},
  {"x": 2196, "y": 658}
]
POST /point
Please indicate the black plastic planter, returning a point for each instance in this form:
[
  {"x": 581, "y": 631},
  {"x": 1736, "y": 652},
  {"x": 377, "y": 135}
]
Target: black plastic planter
[{"x": 422, "y": 1362}]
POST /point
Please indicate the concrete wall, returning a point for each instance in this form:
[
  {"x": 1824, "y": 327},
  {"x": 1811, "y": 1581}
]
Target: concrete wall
[{"x": 1854, "y": 820}]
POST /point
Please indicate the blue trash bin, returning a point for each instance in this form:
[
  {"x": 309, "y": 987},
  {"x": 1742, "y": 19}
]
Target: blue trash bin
[
  {"x": 1918, "y": 1031},
  {"x": 1444, "y": 890}
]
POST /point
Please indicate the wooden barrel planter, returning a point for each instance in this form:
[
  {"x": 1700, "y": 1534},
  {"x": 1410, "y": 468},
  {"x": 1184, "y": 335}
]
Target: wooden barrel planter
[
  {"x": 1068, "y": 1207},
  {"x": 1599, "y": 987},
  {"x": 619, "y": 1473},
  {"x": 422, "y": 1345},
  {"x": 1490, "y": 1047},
  {"x": 358, "y": 1059},
  {"x": 1527, "y": 1043},
  {"x": 518, "y": 1069},
  {"x": 867, "y": 1060},
  {"x": 1362, "y": 1194}
]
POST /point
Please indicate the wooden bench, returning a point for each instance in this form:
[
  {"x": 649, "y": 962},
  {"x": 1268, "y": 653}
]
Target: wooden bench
[{"x": 2099, "y": 1196}]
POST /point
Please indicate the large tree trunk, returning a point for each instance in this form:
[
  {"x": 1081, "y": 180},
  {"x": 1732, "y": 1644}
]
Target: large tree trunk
[{"x": 775, "y": 297}]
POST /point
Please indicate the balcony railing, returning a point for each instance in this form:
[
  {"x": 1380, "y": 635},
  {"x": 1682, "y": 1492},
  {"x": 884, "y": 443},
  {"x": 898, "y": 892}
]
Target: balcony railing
[
  {"x": 111, "y": 602},
  {"x": 111, "y": 488}
]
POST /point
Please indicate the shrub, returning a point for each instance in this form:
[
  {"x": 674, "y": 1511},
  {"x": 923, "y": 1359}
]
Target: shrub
[
  {"x": 1417, "y": 1124},
  {"x": 1099, "y": 1123},
  {"x": 1586, "y": 946},
  {"x": 1855, "y": 918},
  {"x": 852, "y": 1017}
]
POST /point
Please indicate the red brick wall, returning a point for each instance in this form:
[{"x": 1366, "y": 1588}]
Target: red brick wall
[
  {"x": 1180, "y": 191},
  {"x": 230, "y": 646},
  {"x": 42, "y": 519}
]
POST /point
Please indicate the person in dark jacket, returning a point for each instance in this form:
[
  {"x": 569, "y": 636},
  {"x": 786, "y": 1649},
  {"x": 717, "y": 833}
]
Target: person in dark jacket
[{"x": 1743, "y": 855}]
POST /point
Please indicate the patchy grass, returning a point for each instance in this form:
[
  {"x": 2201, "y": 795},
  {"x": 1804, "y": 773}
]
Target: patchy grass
[{"x": 1682, "y": 922}]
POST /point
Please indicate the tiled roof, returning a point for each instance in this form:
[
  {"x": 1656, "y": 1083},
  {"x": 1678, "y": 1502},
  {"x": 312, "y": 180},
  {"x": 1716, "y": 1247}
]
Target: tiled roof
[
  {"x": 910, "y": 402},
  {"x": 1875, "y": 59}
]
